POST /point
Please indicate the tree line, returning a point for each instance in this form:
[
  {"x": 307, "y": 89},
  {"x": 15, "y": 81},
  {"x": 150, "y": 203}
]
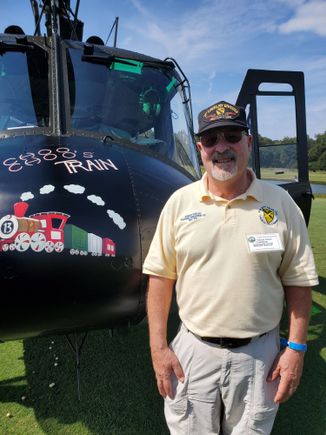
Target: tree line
[{"x": 282, "y": 153}]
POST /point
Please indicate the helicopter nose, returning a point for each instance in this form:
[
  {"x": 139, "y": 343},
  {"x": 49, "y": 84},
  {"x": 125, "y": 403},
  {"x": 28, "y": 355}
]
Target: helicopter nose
[
  {"x": 69, "y": 235},
  {"x": 76, "y": 222}
]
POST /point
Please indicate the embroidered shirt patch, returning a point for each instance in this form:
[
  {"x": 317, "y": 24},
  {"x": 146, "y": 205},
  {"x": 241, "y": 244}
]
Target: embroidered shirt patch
[
  {"x": 268, "y": 215},
  {"x": 193, "y": 216}
]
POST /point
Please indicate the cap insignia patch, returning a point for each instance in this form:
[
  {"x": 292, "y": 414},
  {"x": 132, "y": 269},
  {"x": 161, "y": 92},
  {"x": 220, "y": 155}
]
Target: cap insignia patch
[{"x": 221, "y": 111}]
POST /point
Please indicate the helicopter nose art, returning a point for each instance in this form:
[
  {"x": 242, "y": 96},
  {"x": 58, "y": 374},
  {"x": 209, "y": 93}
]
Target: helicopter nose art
[{"x": 70, "y": 253}]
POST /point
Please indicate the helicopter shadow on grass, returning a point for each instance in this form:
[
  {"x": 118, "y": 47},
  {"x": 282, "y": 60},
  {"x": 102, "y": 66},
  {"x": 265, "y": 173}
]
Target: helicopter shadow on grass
[{"x": 118, "y": 387}]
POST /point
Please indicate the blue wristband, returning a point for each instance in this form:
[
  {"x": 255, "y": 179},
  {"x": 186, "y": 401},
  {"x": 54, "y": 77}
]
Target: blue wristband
[{"x": 293, "y": 345}]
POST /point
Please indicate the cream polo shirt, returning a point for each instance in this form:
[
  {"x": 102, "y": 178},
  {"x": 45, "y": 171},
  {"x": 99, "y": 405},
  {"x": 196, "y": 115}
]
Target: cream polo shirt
[{"x": 231, "y": 259}]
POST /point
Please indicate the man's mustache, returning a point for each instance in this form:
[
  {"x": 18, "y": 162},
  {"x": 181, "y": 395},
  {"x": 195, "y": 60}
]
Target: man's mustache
[{"x": 228, "y": 154}]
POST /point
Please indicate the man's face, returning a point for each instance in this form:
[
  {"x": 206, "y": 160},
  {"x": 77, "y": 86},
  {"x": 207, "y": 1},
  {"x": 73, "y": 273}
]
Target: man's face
[{"x": 225, "y": 152}]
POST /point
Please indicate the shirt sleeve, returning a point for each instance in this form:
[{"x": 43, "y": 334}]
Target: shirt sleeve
[
  {"x": 161, "y": 259},
  {"x": 298, "y": 265}
]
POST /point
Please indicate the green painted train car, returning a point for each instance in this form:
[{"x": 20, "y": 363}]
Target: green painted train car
[{"x": 76, "y": 239}]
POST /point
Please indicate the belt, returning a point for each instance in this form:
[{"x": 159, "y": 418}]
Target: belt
[{"x": 230, "y": 343}]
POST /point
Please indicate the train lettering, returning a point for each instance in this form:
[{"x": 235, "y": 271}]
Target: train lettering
[{"x": 100, "y": 165}]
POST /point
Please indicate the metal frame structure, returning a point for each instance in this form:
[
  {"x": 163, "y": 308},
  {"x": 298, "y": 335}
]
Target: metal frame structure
[{"x": 301, "y": 190}]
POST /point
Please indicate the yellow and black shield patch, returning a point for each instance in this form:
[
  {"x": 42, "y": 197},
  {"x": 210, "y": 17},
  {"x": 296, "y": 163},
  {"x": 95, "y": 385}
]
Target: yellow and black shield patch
[{"x": 268, "y": 215}]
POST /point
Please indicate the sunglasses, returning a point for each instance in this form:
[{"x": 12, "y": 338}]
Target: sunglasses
[{"x": 209, "y": 140}]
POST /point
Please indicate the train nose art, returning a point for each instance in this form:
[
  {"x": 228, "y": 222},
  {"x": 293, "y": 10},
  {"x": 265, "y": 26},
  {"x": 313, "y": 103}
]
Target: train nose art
[{"x": 70, "y": 255}]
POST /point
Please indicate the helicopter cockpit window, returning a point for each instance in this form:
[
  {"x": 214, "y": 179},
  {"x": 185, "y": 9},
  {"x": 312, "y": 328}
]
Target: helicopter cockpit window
[
  {"x": 24, "y": 89},
  {"x": 133, "y": 101}
]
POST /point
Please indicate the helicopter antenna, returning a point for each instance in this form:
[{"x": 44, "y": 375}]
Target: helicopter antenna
[
  {"x": 115, "y": 27},
  {"x": 58, "y": 20},
  {"x": 37, "y": 17},
  {"x": 65, "y": 4},
  {"x": 75, "y": 23},
  {"x": 50, "y": 7}
]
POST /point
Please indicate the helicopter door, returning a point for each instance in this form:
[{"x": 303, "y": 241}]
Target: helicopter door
[{"x": 265, "y": 161}]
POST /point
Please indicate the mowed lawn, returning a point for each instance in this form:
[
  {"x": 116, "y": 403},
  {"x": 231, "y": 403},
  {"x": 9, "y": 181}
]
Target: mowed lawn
[
  {"x": 38, "y": 392},
  {"x": 317, "y": 177}
]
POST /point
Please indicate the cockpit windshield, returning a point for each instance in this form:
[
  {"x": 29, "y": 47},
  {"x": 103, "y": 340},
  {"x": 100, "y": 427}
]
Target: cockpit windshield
[
  {"x": 132, "y": 100},
  {"x": 24, "y": 89}
]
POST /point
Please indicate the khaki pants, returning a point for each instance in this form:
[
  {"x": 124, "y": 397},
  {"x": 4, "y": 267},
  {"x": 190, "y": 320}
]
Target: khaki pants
[{"x": 225, "y": 390}]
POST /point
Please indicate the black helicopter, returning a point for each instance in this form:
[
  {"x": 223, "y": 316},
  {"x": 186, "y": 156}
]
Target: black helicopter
[{"x": 93, "y": 140}]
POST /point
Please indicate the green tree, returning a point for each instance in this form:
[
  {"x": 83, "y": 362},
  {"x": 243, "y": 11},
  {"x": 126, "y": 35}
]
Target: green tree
[
  {"x": 316, "y": 153},
  {"x": 322, "y": 162}
]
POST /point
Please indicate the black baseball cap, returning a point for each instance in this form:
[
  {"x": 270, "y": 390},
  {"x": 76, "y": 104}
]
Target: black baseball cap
[{"x": 221, "y": 114}]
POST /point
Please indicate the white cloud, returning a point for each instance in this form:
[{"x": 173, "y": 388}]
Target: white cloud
[
  {"x": 96, "y": 199},
  {"x": 74, "y": 188},
  {"x": 211, "y": 79},
  {"x": 189, "y": 35},
  {"x": 207, "y": 36},
  {"x": 140, "y": 8},
  {"x": 309, "y": 16},
  {"x": 48, "y": 188},
  {"x": 26, "y": 196},
  {"x": 117, "y": 219}
]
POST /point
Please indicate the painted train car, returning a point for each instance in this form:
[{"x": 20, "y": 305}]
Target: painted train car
[{"x": 79, "y": 241}]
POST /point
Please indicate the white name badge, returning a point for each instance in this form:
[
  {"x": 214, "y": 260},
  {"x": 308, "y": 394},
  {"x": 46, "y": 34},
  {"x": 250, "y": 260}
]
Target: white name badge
[{"x": 264, "y": 242}]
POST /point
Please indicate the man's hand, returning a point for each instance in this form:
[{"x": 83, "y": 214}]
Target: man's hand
[
  {"x": 288, "y": 366},
  {"x": 166, "y": 363}
]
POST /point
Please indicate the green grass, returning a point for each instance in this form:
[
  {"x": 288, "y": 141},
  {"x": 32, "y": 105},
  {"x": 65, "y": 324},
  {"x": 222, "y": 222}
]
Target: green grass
[
  {"x": 317, "y": 177},
  {"x": 118, "y": 393},
  {"x": 118, "y": 390},
  {"x": 305, "y": 412}
]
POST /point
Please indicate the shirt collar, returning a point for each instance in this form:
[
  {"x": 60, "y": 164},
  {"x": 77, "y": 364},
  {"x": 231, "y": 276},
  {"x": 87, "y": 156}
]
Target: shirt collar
[{"x": 254, "y": 190}]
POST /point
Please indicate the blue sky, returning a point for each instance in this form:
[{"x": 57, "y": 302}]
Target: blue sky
[{"x": 216, "y": 42}]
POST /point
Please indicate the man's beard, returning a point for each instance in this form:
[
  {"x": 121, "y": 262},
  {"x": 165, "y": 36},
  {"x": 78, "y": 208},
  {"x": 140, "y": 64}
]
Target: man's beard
[{"x": 221, "y": 174}]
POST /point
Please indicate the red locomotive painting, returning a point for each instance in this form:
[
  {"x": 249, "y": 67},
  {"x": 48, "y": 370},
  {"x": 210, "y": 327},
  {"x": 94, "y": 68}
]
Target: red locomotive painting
[{"x": 49, "y": 232}]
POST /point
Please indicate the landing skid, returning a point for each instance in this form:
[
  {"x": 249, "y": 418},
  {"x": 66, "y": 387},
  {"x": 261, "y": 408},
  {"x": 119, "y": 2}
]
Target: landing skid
[{"x": 77, "y": 348}]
